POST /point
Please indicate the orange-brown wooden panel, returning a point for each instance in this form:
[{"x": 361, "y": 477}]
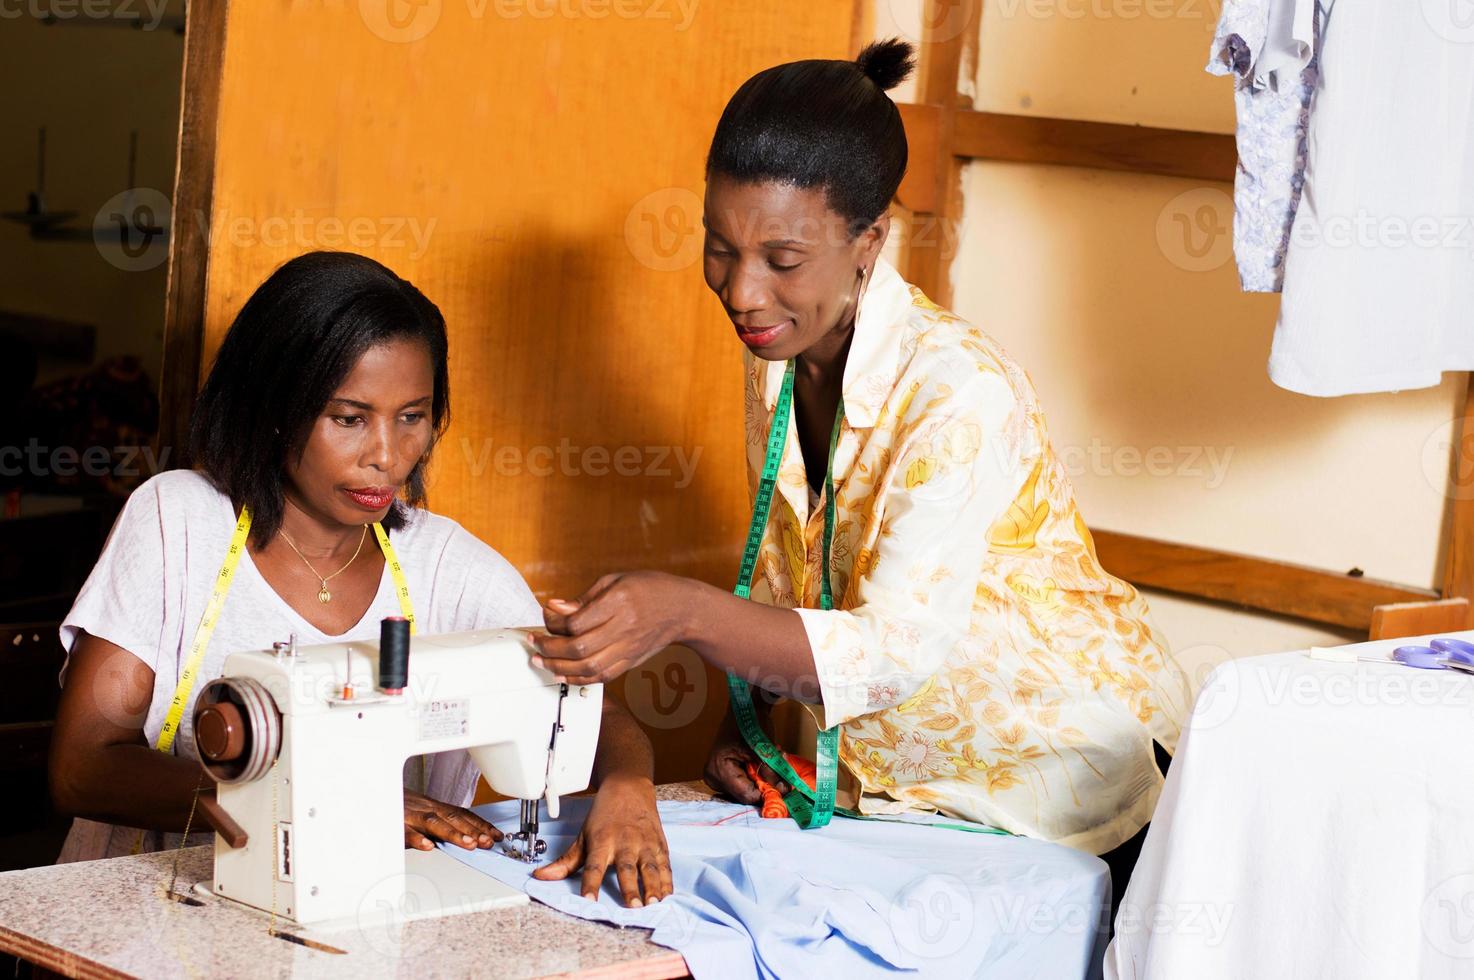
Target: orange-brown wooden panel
[{"x": 539, "y": 177}]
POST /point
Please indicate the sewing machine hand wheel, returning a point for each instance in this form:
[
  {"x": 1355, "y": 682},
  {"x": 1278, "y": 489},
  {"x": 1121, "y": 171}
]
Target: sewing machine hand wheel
[{"x": 237, "y": 729}]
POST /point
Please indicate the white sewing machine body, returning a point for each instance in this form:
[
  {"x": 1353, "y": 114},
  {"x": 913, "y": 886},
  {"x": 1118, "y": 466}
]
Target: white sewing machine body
[{"x": 325, "y": 819}]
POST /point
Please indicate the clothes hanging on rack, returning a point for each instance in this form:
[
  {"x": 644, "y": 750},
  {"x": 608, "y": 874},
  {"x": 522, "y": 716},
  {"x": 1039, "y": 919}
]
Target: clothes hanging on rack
[
  {"x": 1379, "y": 280},
  {"x": 1268, "y": 46}
]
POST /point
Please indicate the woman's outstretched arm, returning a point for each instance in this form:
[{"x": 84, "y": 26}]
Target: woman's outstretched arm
[
  {"x": 622, "y": 831},
  {"x": 102, "y": 766}
]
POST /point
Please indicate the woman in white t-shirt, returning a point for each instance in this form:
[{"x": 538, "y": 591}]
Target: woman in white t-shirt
[{"x": 319, "y": 416}]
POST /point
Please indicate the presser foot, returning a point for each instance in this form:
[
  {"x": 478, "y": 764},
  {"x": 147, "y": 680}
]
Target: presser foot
[{"x": 525, "y": 845}]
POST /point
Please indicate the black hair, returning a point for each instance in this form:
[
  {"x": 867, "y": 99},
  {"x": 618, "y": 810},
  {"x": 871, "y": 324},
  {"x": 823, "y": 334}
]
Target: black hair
[
  {"x": 289, "y": 349},
  {"x": 822, "y": 124}
]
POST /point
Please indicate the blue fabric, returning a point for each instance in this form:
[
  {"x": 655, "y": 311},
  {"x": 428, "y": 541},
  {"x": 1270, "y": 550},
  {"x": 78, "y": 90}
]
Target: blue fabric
[{"x": 760, "y": 898}]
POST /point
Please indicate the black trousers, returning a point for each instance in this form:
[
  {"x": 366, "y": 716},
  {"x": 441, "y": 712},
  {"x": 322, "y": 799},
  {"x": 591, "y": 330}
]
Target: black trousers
[{"x": 1122, "y": 860}]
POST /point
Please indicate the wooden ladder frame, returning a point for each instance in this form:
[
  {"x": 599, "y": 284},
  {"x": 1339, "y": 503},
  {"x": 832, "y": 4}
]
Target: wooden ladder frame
[{"x": 945, "y": 133}]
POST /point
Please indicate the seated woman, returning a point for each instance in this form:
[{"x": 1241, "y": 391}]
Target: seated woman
[
  {"x": 317, "y": 421},
  {"x": 924, "y": 579}
]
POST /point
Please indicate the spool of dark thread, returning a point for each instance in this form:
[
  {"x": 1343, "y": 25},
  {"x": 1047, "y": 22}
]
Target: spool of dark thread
[{"x": 393, "y": 654}]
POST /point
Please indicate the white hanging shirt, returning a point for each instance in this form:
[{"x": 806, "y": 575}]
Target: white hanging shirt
[{"x": 1379, "y": 278}]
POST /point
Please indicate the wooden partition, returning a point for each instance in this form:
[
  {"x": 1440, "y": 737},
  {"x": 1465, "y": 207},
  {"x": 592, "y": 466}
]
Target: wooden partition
[
  {"x": 945, "y": 132},
  {"x": 536, "y": 169}
]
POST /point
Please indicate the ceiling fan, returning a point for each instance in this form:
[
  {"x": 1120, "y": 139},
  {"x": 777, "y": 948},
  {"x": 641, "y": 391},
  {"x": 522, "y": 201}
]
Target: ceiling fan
[
  {"x": 37, "y": 216},
  {"x": 55, "y": 226}
]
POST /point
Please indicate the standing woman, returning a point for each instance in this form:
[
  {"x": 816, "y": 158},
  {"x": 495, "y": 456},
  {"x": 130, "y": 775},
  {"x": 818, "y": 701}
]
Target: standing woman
[
  {"x": 311, "y": 437},
  {"x": 922, "y": 576}
]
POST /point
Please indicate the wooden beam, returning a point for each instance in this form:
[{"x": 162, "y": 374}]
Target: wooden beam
[
  {"x": 935, "y": 133},
  {"x": 1458, "y": 570},
  {"x": 1455, "y": 610},
  {"x": 942, "y": 134},
  {"x": 189, "y": 239},
  {"x": 1102, "y": 146},
  {"x": 922, "y": 188},
  {"x": 950, "y": 29},
  {"x": 1254, "y": 583},
  {"x": 1418, "y": 618}
]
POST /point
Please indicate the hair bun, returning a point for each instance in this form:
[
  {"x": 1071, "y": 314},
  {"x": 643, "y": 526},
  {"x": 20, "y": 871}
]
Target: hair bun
[{"x": 887, "y": 63}]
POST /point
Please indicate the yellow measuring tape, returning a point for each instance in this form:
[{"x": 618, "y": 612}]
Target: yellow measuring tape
[
  {"x": 206, "y": 629},
  {"x": 223, "y": 579},
  {"x": 401, "y": 587}
]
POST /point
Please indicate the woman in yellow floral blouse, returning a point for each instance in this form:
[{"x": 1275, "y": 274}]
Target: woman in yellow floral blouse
[{"x": 977, "y": 658}]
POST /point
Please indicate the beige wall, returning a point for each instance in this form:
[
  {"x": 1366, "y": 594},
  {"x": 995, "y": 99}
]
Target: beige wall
[
  {"x": 1119, "y": 295},
  {"x": 1122, "y": 61},
  {"x": 89, "y": 86}
]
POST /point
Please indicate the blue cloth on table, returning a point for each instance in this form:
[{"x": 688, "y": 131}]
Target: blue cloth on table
[{"x": 760, "y": 898}]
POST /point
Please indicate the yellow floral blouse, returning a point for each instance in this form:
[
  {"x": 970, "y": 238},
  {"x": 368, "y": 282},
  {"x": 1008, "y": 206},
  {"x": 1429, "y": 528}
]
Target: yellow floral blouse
[{"x": 978, "y": 658}]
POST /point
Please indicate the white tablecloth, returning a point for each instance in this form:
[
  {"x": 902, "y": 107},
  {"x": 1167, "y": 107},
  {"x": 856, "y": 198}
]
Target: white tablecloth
[{"x": 1318, "y": 821}]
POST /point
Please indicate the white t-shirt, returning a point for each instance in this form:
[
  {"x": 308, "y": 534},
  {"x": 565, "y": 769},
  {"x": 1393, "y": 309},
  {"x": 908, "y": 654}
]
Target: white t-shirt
[{"x": 149, "y": 590}]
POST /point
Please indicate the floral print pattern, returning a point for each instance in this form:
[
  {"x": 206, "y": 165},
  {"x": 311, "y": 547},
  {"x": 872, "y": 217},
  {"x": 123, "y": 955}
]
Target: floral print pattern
[{"x": 978, "y": 658}]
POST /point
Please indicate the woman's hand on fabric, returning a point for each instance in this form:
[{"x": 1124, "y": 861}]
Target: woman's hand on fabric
[
  {"x": 427, "y": 821},
  {"x": 618, "y": 624},
  {"x": 622, "y": 832}
]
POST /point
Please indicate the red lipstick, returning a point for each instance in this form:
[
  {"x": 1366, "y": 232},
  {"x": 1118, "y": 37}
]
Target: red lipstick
[
  {"x": 761, "y": 335},
  {"x": 371, "y": 498}
]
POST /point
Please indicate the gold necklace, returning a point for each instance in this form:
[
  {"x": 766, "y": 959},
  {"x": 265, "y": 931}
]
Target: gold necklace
[{"x": 323, "y": 595}]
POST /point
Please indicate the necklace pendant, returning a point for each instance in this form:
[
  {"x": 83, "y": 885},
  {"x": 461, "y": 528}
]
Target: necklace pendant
[{"x": 324, "y": 596}]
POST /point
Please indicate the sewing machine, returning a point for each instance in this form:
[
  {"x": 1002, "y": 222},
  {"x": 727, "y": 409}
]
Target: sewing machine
[{"x": 308, "y": 748}]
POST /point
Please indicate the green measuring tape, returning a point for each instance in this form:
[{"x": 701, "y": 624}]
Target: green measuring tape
[
  {"x": 809, "y": 807},
  {"x": 814, "y": 807}
]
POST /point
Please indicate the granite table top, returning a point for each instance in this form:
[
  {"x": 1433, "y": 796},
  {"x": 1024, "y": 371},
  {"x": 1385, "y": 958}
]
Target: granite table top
[{"x": 108, "y": 919}]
